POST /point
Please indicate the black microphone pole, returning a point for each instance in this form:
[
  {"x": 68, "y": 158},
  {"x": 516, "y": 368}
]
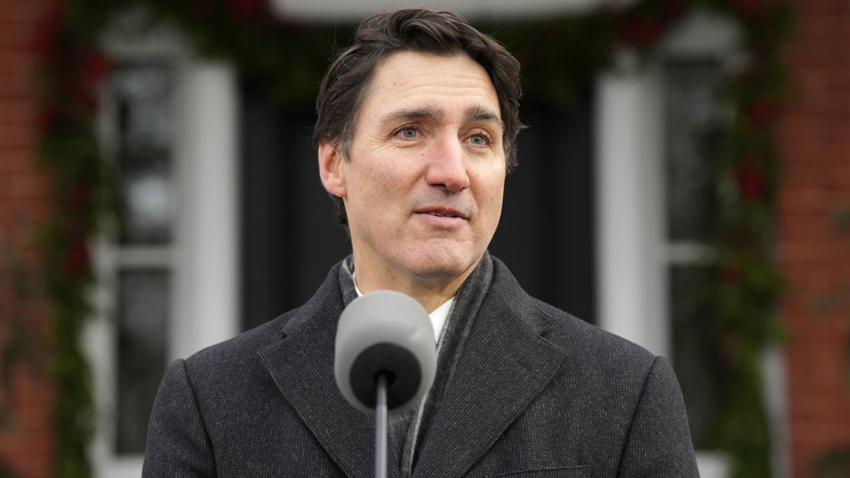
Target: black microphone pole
[
  {"x": 381, "y": 428},
  {"x": 385, "y": 359}
]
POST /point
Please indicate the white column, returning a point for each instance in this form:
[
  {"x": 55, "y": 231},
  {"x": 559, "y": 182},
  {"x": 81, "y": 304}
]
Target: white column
[
  {"x": 630, "y": 209},
  {"x": 206, "y": 250}
]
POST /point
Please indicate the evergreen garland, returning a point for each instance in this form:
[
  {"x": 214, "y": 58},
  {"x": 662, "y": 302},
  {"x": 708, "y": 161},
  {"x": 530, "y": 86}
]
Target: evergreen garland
[{"x": 559, "y": 56}]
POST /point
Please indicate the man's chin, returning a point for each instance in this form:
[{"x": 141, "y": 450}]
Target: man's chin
[{"x": 444, "y": 267}]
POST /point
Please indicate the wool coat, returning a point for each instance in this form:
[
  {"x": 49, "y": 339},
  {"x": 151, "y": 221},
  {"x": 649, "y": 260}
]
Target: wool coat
[{"x": 535, "y": 393}]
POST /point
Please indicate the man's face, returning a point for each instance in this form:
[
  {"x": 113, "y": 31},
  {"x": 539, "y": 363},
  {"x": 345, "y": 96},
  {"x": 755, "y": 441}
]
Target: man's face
[{"x": 424, "y": 182}]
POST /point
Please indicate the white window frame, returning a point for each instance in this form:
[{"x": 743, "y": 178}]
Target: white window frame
[
  {"x": 634, "y": 252},
  {"x": 203, "y": 258}
]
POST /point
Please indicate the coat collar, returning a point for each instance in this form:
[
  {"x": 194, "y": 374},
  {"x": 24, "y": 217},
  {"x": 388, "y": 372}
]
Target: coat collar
[
  {"x": 302, "y": 366},
  {"x": 504, "y": 365}
]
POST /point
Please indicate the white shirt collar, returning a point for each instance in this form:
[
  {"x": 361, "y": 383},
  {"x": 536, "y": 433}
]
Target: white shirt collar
[{"x": 438, "y": 316}]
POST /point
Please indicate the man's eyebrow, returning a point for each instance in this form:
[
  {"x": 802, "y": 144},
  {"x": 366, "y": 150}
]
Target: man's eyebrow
[
  {"x": 473, "y": 113},
  {"x": 478, "y": 113},
  {"x": 413, "y": 114}
]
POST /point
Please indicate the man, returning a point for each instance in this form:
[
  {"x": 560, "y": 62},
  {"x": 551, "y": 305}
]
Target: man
[{"x": 416, "y": 129}]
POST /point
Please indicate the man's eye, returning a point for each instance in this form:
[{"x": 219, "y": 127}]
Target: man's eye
[
  {"x": 479, "y": 139},
  {"x": 408, "y": 133}
]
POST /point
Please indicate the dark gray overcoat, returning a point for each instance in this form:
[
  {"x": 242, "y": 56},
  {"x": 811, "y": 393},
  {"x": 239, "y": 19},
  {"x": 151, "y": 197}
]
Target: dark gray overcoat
[{"x": 535, "y": 393}]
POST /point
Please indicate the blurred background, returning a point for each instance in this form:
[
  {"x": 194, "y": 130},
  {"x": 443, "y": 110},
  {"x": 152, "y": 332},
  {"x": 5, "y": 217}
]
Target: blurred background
[{"x": 684, "y": 182}]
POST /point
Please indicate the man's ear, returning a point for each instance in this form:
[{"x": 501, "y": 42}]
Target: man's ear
[{"x": 331, "y": 169}]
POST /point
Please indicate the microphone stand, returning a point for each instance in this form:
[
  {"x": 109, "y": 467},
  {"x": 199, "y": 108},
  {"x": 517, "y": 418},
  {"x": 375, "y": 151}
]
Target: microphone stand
[{"x": 381, "y": 428}]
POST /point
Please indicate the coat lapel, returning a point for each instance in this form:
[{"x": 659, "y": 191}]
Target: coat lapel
[
  {"x": 301, "y": 365},
  {"x": 504, "y": 365}
]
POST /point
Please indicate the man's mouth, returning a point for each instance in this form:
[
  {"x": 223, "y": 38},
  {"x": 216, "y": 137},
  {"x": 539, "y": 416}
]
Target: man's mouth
[{"x": 442, "y": 212}]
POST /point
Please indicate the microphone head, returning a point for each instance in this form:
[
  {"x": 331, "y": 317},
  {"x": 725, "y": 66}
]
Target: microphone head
[{"x": 385, "y": 332}]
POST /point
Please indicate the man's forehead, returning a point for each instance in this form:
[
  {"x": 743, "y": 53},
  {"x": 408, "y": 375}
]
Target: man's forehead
[{"x": 420, "y": 85}]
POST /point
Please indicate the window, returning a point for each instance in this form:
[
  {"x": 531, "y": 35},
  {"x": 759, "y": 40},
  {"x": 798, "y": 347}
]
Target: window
[
  {"x": 167, "y": 270},
  {"x": 144, "y": 177},
  {"x": 692, "y": 114},
  {"x": 129, "y": 343},
  {"x": 655, "y": 127}
]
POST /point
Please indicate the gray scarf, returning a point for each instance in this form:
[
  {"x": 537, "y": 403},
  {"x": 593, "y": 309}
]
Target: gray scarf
[{"x": 408, "y": 432}]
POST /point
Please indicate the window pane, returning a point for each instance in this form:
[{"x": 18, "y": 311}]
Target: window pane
[
  {"x": 692, "y": 114},
  {"x": 142, "y": 94},
  {"x": 142, "y": 321},
  {"x": 694, "y": 354}
]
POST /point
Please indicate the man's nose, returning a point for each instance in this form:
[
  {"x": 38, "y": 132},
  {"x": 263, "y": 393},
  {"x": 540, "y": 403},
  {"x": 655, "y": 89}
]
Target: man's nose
[{"x": 447, "y": 165}]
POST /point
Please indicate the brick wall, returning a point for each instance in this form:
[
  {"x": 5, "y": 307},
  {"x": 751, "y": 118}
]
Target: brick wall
[
  {"x": 815, "y": 141},
  {"x": 814, "y": 138},
  {"x": 26, "y": 438}
]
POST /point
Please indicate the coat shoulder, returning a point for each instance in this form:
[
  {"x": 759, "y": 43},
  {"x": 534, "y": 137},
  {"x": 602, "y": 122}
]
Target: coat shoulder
[
  {"x": 235, "y": 360},
  {"x": 614, "y": 405},
  {"x": 564, "y": 329},
  {"x": 594, "y": 355},
  {"x": 251, "y": 339}
]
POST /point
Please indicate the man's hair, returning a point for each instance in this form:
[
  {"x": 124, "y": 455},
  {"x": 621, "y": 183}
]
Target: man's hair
[{"x": 347, "y": 81}]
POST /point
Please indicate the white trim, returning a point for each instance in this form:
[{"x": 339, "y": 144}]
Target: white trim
[
  {"x": 713, "y": 465},
  {"x": 136, "y": 256},
  {"x": 776, "y": 403},
  {"x": 207, "y": 262},
  {"x": 631, "y": 280}
]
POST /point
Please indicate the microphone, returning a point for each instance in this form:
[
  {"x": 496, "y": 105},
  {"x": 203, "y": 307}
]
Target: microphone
[{"x": 384, "y": 334}]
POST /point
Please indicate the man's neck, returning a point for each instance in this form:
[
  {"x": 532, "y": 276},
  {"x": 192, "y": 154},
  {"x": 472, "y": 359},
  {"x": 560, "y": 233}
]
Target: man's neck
[{"x": 431, "y": 292}]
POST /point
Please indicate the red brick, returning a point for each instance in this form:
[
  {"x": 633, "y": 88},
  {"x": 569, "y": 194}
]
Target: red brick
[
  {"x": 824, "y": 26},
  {"x": 21, "y": 11},
  {"x": 25, "y": 210},
  {"x": 823, "y": 99},
  {"x": 16, "y": 36},
  {"x": 17, "y": 86},
  {"x": 807, "y": 7},
  {"x": 823, "y": 171},
  {"x": 16, "y": 136},
  {"x": 20, "y": 111},
  {"x": 817, "y": 349},
  {"x": 811, "y": 52},
  {"x": 18, "y": 160},
  {"x": 17, "y": 62},
  {"x": 816, "y": 300},
  {"x": 812, "y": 251},
  {"x": 804, "y": 226},
  {"x": 806, "y": 150},
  {"x": 818, "y": 431},
  {"x": 804, "y": 200},
  {"x": 812, "y": 127},
  {"x": 829, "y": 78},
  {"x": 28, "y": 447},
  {"x": 24, "y": 451},
  {"x": 32, "y": 185}
]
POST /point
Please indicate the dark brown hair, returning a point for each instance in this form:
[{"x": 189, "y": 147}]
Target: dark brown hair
[{"x": 346, "y": 82}]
